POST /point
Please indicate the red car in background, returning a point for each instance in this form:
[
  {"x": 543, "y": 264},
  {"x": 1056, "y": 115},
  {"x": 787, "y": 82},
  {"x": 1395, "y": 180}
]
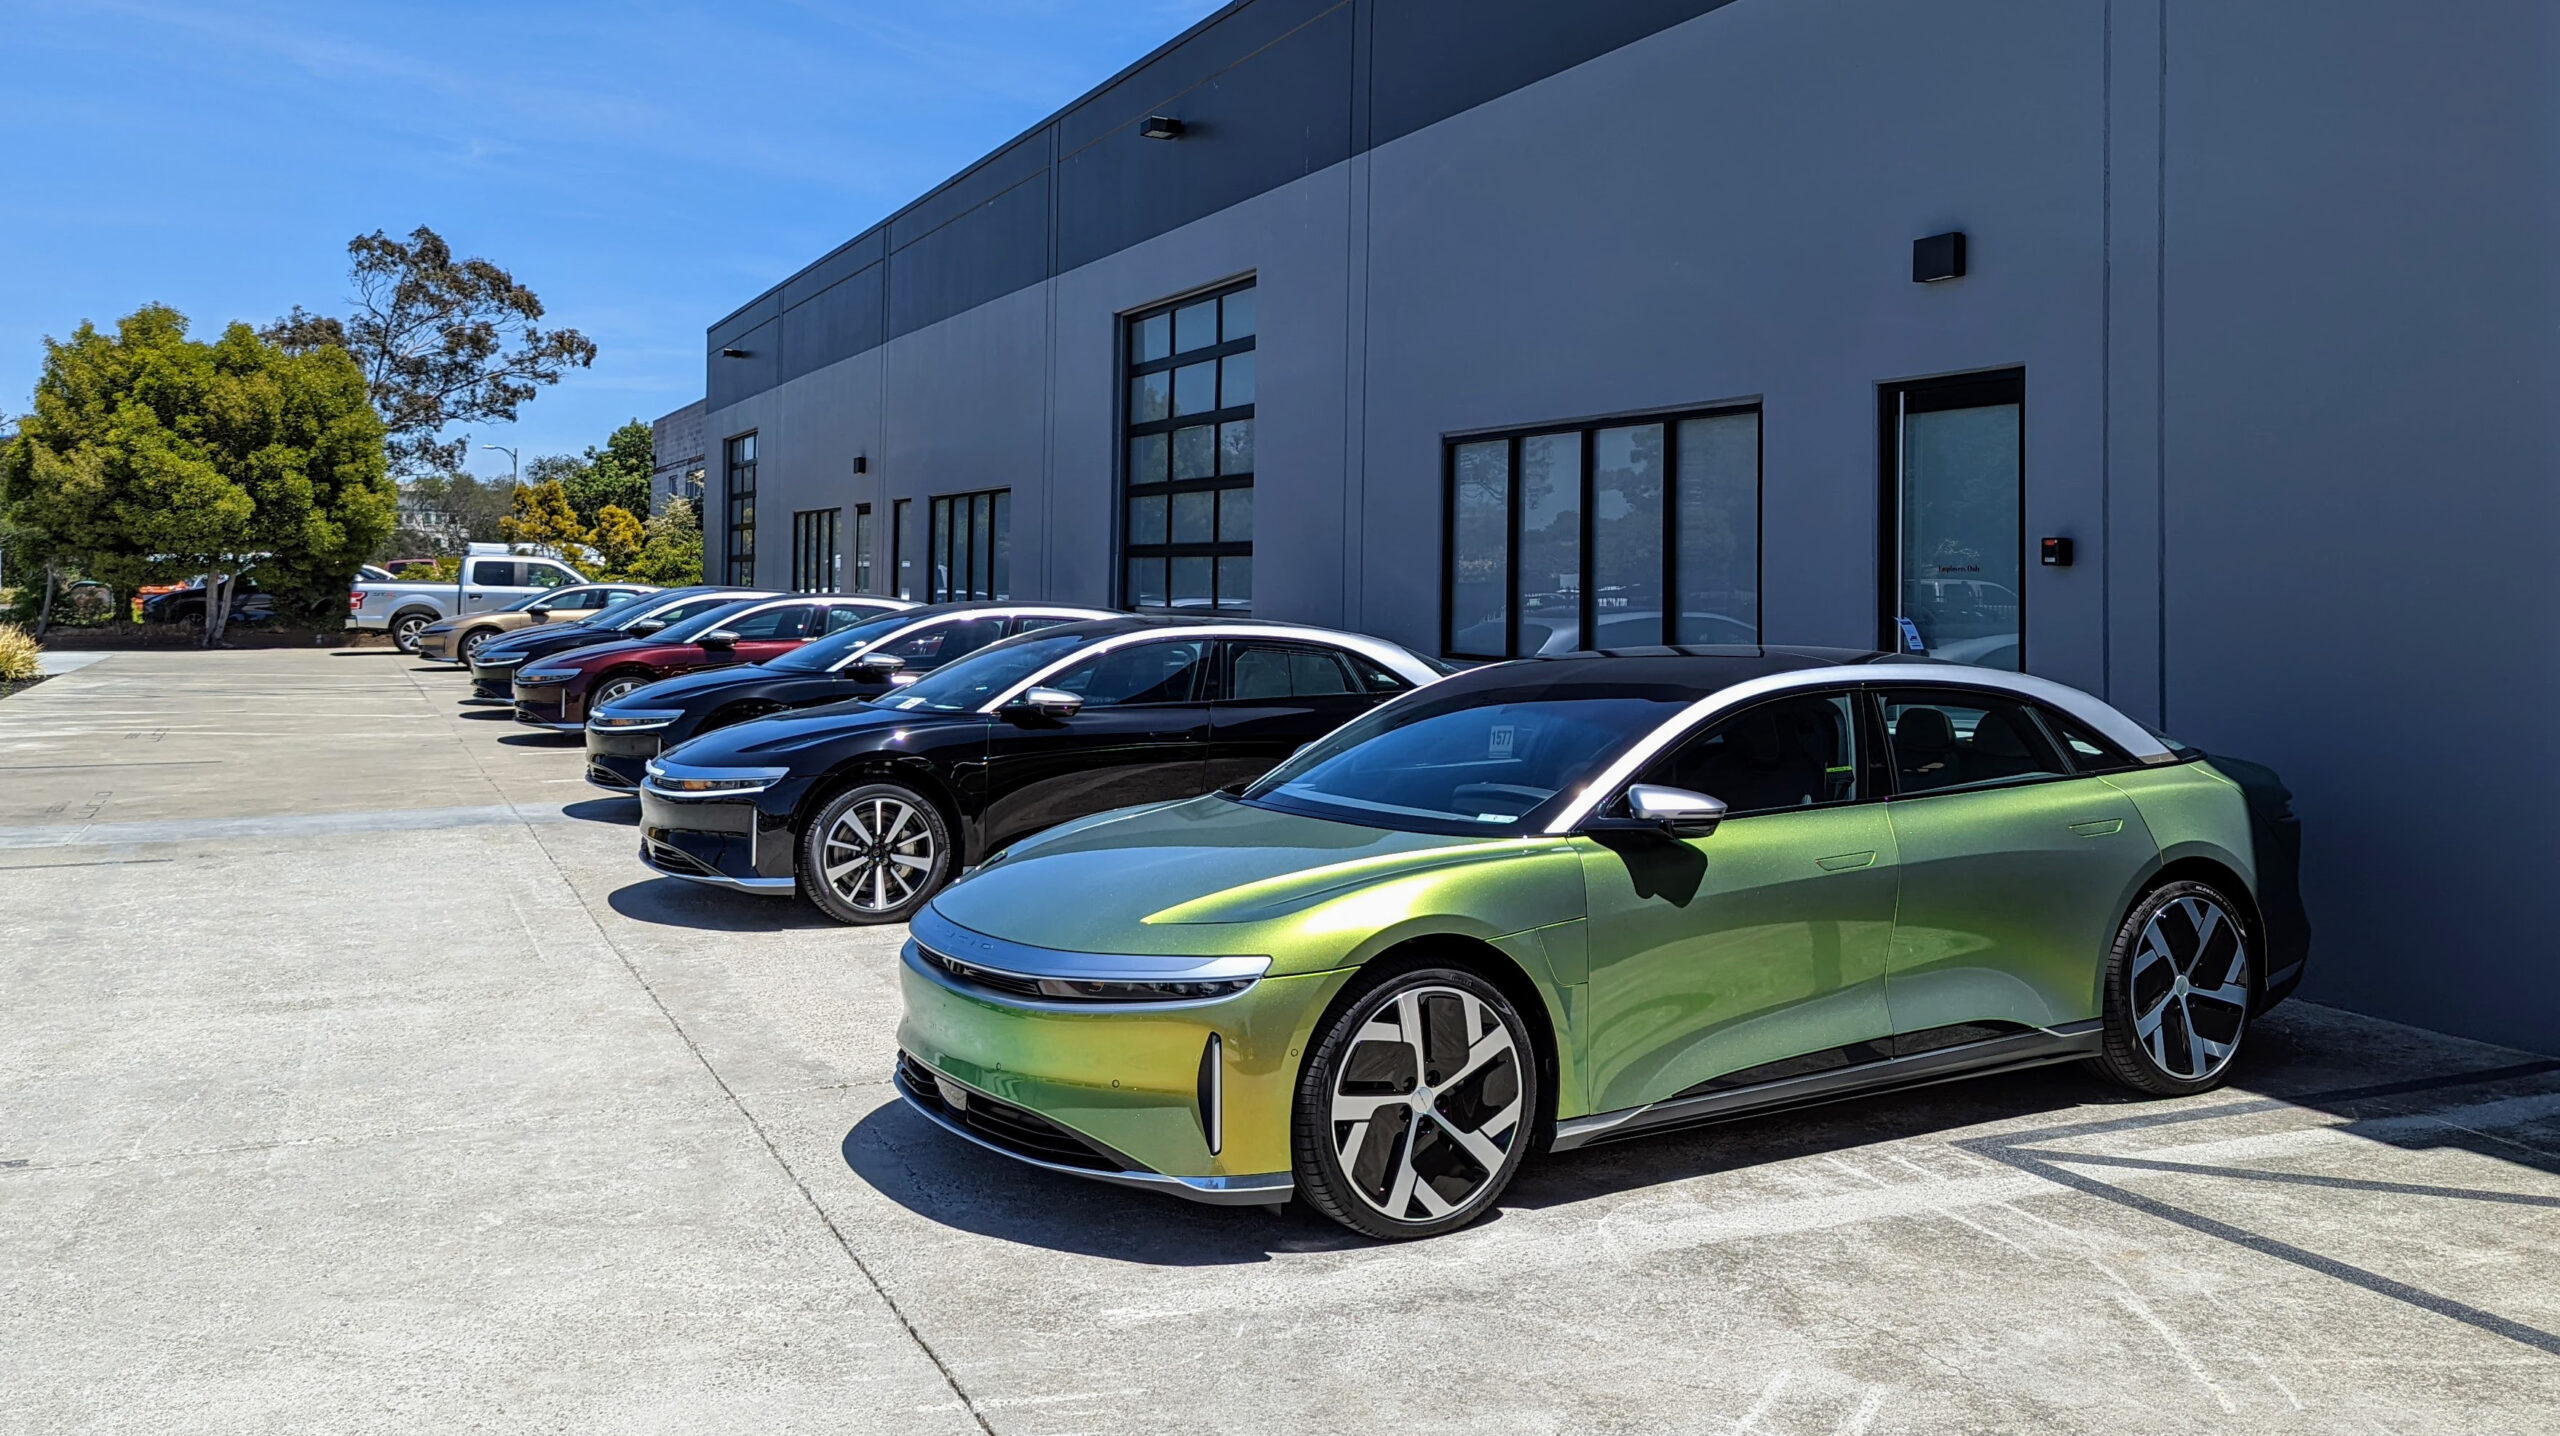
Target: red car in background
[{"x": 557, "y": 691}]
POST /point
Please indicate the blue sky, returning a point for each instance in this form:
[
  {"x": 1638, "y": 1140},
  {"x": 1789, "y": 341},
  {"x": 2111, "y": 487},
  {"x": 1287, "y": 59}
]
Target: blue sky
[{"x": 645, "y": 167}]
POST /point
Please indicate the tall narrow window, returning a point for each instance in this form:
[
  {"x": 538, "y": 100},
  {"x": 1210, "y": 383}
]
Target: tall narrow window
[
  {"x": 1622, "y": 535},
  {"x": 817, "y": 565},
  {"x": 904, "y": 548},
  {"x": 969, "y": 549},
  {"x": 1187, "y": 490},
  {"x": 741, "y": 490},
  {"x": 1955, "y": 480},
  {"x": 862, "y": 548}
]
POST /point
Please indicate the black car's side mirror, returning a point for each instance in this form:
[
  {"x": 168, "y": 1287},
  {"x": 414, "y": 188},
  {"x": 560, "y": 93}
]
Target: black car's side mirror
[
  {"x": 647, "y": 626},
  {"x": 876, "y": 667},
  {"x": 1054, "y": 703},
  {"x": 719, "y": 638},
  {"x": 1676, "y": 812}
]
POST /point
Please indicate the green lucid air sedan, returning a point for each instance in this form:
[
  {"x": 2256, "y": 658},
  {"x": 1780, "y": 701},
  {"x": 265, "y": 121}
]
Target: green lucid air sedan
[{"x": 1562, "y": 901}]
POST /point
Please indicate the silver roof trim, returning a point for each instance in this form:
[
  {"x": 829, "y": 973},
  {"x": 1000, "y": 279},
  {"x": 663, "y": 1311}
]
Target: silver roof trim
[
  {"x": 2109, "y": 724},
  {"x": 1029, "y": 610},
  {"x": 1389, "y": 656}
]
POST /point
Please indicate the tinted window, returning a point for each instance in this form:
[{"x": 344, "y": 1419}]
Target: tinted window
[
  {"x": 2088, "y": 752},
  {"x": 1269, "y": 672},
  {"x": 843, "y": 616},
  {"x": 544, "y": 575},
  {"x": 1029, "y": 622},
  {"x": 1793, "y": 753},
  {"x": 977, "y": 680},
  {"x": 1160, "y": 672},
  {"x": 672, "y": 614},
  {"x": 931, "y": 647},
  {"x": 1459, "y": 765},
  {"x": 1376, "y": 676},
  {"x": 1955, "y": 739},
  {"x": 790, "y": 620},
  {"x": 494, "y": 572}
]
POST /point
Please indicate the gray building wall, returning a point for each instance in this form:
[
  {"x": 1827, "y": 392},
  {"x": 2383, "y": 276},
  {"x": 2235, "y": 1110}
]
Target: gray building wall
[
  {"x": 677, "y": 468},
  {"x": 2279, "y": 279}
]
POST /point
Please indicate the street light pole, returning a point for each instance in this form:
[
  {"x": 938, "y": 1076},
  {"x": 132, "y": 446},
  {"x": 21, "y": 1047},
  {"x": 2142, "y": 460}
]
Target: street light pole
[{"x": 514, "y": 474}]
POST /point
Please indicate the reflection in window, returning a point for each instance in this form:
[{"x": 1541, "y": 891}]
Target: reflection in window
[
  {"x": 1581, "y": 538},
  {"x": 1187, "y": 493},
  {"x": 970, "y": 549}
]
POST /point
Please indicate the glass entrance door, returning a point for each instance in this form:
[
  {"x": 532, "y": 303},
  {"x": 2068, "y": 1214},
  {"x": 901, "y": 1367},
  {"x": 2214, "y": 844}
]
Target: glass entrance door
[{"x": 1955, "y": 481}]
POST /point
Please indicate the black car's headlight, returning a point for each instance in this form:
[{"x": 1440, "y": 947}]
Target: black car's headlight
[
  {"x": 633, "y": 720},
  {"x": 677, "y": 781}
]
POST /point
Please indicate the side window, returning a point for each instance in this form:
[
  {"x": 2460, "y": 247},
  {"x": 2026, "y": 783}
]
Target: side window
[
  {"x": 1956, "y": 738},
  {"x": 1163, "y": 672},
  {"x": 1261, "y": 672},
  {"x": 1376, "y": 676},
  {"x": 692, "y": 608},
  {"x": 842, "y": 616},
  {"x": 930, "y": 648},
  {"x": 545, "y": 575},
  {"x": 587, "y": 602},
  {"x": 494, "y": 572},
  {"x": 1789, "y": 753},
  {"x": 2088, "y": 752},
  {"x": 1032, "y": 621},
  {"x": 789, "y": 620}
]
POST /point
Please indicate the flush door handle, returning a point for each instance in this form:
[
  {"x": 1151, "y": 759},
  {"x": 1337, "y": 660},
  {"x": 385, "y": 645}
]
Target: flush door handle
[
  {"x": 2098, "y": 828},
  {"x": 1846, "y": 862}
]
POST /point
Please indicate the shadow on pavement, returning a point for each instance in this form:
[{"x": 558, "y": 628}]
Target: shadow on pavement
[
  {"x": 673, "y": 902},
  {"x": 541, "y": 737},
  {"x": 489, "y": 715},
  {"x": 943, "y": 1179},
  {"x": 621, "y": 812},
  {"x": 370, "y": 653}
]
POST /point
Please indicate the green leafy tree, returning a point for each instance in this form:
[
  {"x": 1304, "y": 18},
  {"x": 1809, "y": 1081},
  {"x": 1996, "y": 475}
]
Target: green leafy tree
[
  {"x": 153, "y": 455},
  {"x": 617, "y": 474},
  {"x": 543, "y": 519},
  {"x": 618, "y": 537},
  {"x": 441, "y": 341},
  {"x": 670, "y": 550}
]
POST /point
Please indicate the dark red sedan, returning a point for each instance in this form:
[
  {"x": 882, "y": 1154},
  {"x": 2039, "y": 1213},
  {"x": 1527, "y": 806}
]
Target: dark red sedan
[{"x": 556, "y": 692}]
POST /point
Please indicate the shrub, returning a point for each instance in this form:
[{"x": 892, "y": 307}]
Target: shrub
[{"x": 17, "y": 654}]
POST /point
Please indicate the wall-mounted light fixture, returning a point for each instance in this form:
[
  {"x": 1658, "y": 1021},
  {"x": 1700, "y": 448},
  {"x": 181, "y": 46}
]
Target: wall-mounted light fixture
[
  {"x": 733, "y": 353},
  {"x": 1161, "y": 127},
  {"x": 861, "y": 465},
  {"x": 1940, "y": 256}
]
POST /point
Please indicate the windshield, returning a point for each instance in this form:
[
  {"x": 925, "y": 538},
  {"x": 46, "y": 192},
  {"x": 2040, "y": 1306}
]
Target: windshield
[
  {"x": 967, "y": 684},
  {"x": 824, "y": 654},
  {"x": 703, "y": 622},
  {"x": 1458, "y": 763}
]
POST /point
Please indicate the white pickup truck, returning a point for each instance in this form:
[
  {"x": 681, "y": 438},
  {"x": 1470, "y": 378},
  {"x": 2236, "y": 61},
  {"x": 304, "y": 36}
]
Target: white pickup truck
[{"x": 492, "y": 577}]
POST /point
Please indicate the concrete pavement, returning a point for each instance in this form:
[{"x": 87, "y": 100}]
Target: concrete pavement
[{"x": 355, "y": 1076}]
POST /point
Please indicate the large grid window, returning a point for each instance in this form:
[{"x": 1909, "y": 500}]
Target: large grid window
[
  {"x": 741, "y": 489},
  {"x": 862, "y": 548},
  {"x": 970, "y": 547},
  {"x": 1619, "y": 535},
  {"x": 1187, "y": 498},
  {"x": 817, "y": 565}
]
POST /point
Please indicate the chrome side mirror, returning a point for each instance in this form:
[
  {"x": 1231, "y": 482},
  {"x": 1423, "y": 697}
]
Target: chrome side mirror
[
  {"x": 647, "y": 626},
  {"x": 719, "y": 638},
  {"x": 877, "y": 667},
  {"x": 1676, "y": 811},
  {"x": 1049, "y": 703}
]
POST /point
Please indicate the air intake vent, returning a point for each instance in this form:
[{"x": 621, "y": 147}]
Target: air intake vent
[{"x": 1212, "y": 1093}]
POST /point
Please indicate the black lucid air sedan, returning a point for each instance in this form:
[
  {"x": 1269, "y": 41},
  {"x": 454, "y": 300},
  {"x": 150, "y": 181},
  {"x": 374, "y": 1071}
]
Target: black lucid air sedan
[
  {"x": 493, "y": 668},
  {"x": 867, "y": 809},
  {"x": 864, "y": 661}
]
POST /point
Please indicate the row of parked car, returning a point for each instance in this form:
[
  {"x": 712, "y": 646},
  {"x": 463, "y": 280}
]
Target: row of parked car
[{"x": 1243, "y": 911}]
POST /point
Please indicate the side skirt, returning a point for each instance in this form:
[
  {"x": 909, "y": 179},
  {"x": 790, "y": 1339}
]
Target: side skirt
[{"x": 2035, "y": 1048}]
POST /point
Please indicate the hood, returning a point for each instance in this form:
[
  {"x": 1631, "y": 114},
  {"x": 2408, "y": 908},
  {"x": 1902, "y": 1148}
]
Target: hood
[
  {"x": 584, "y": 655},
  {"x": 548, "y": 637},
  {"x": 783, "y": 738},
  {"x": 1148, "y": 879}
]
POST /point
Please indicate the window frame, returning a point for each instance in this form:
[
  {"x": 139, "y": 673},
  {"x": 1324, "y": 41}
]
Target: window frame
[
  {"x": 817, "y": 557},
  {"x": 1896, "y": 402},
  {"x": 1222, "y": 688},
  {"x": 1873, "y": 777},
  {"x": 988, "y": 527},
  {"x": 1588, "y": 431},
  {"x": 863, "y": 569},
  {"x": 1128, "y": 551},
  {"x": 1891, "y": 764},
  {"x": 1204, "y": 671},
  {"x": 738, "y": 457}
]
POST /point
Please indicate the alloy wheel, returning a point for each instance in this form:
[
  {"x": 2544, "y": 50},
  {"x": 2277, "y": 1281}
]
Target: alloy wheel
[
  {"x": 614, "y": 688},
  {"x": 472, "y": 641},
  {"x": 405, "y": 631},
  {"x": 878, "y": 854},
  {"x": 1427, "y": 1104},
  {"x": 2189, "y": 984}
]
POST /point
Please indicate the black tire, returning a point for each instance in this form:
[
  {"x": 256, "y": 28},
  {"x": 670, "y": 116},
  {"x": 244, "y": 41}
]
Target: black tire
[
  {"x": 2179, "y": 991},
  {"x": 616, "y": 685},
  {"x": 1476, "y": 1121},
  {"x": 874, "y": 854},
  {"x": 405, "y": 628}
]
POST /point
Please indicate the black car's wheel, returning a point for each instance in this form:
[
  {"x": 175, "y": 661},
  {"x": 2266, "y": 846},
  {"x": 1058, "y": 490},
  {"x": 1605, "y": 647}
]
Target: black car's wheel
[
  {"x": 618, "y": 685},
  {"x": 874, "y": 854},
  {"x": 471, "y": 642},
  {"x": 405, "y": 630},
  {"x": 1416, "y": 1104},
  {"x": 2177, "y": 993}
]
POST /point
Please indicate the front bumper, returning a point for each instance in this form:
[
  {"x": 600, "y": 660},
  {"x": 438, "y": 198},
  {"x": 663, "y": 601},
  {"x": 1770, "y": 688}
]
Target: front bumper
[
  {"x": 494, "y": 683},
  {"x": 553, "y": 707},
  {"x": 742, "y": 842},
  {"x": 1032, "y": 1140},
  {"x": 436, "y": 648},
  {"x": 1128, "y": 1080},
  {"x": 618, "y": 761}
]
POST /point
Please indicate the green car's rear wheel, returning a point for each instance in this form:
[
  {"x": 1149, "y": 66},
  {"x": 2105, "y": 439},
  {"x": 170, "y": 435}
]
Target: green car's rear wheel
[
  {"x": 1416, "y": 1105},
  {"x": 2177, "y": 999}
]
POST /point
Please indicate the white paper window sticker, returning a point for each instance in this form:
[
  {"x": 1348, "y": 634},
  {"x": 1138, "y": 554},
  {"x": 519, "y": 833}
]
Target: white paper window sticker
[{"x": 1498, "y": 745}]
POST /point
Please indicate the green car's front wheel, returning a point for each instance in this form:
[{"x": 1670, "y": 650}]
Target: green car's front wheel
[{"x": 1416, "y": 1104}]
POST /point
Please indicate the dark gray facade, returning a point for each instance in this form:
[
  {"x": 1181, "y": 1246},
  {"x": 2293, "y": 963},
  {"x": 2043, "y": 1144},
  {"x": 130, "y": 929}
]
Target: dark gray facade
[{"x": 2278, "y": 279}]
